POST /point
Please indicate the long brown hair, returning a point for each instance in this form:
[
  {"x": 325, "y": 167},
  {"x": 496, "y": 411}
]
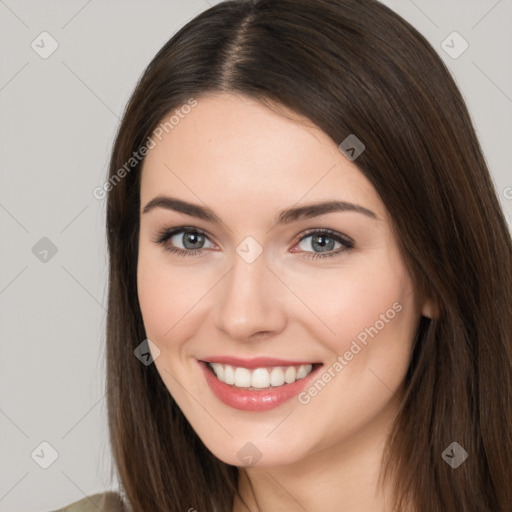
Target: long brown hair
[{"x": 351, "y": 67}]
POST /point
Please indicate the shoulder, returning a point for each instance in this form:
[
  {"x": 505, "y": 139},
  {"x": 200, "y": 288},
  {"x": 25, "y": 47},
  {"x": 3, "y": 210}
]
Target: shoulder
[{"x": 106, "y": 502}]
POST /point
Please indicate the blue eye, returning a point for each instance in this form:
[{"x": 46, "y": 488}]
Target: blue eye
[
  {"x": 325, "y": 239},
  {"x": 190, "y": 238},
  {"x": 193, "y": 240}
]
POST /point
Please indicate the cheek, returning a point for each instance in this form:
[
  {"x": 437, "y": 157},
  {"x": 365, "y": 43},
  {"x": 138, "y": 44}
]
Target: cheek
[
  {"x": 172, "y": 298},
  {"x": 361, "y": 307},
  {"x": 161, "y": 297}
]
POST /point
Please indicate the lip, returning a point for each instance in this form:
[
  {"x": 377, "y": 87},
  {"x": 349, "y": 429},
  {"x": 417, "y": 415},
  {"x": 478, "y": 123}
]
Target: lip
[
  {"x": 256, "y": 400},
  {"x": 256, "y": 362}
]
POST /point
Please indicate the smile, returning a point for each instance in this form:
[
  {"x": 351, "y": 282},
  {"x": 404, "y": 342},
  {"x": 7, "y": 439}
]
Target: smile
[
  {"x": 257, "y": 389},
  {"x": 260, "y": 378}
]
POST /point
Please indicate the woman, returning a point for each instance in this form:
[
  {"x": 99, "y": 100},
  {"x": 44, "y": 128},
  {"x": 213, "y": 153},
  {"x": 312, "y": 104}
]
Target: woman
[{"x": 310, "y": 274}]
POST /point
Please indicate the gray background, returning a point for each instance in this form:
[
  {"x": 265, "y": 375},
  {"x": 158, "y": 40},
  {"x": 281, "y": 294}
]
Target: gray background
[{"x": 58, "y": 119}]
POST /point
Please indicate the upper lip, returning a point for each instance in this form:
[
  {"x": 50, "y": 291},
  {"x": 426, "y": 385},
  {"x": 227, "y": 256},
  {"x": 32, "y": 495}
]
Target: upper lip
[{"x": 256, "y": 362}]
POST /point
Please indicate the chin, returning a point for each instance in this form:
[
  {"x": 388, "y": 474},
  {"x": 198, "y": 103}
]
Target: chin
[{"x": 258, "y": 453}]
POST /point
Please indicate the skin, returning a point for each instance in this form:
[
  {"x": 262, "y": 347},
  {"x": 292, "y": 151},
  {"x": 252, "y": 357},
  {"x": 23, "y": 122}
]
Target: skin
[{"x": 247, "y": 162}]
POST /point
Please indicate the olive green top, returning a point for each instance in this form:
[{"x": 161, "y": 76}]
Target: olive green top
[{"x": 105, "y": 502}]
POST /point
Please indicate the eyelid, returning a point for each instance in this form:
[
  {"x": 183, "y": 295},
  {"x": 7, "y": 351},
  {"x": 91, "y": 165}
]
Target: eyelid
[
  {"x": 334, "y": 234},
  {"x": 162, "y": 236}
]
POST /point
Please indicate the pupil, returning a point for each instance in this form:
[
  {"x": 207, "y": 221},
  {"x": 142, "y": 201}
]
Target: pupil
[
  {"x": 322, "y": 242},
  {"x": 192, "y": 236}
]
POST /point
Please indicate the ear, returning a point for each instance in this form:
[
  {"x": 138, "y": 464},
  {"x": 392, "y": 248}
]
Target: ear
[{"x": 428, "y": 309}]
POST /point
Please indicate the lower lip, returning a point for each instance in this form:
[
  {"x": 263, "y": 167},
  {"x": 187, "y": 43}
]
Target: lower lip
[{"x": 247, "y": 400}]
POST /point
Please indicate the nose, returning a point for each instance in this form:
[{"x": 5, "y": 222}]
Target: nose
[{"x": 251, "y": 301}]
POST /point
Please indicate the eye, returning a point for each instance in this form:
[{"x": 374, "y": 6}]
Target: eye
[
  {"x": 325, "y": 240},
  {"x": 192, "y": 240}
]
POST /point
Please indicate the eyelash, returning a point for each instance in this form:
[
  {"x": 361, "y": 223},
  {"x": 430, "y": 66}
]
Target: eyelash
[{"x": 166, "y": 234}]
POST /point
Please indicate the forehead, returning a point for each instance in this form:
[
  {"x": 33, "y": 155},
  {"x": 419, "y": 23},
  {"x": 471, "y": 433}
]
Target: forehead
[{"x": 232, "y": 148}]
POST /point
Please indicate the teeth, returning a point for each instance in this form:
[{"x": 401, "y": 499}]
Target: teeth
[
  {"x": 229, "y": 375},
  {"x": 301, "y": 372},
  {"x": 260, "y": 378},
  {"x": 242, "y": 378},
  {"x": 276, "y": 377},
  {"x": 220, "y": 372},
  {"x": 290, "y": 374}
]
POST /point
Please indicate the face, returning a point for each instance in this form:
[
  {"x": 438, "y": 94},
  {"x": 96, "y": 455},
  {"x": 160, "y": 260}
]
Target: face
[{"x": 231, "y": 280}]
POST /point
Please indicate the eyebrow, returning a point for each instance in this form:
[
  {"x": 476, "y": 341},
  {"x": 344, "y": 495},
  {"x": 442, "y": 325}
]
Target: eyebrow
[{"x": 284, "y": 217}]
